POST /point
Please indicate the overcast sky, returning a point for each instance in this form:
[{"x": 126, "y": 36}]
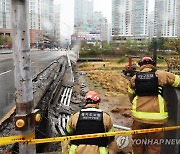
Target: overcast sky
[{"x": 67, "y": 11}]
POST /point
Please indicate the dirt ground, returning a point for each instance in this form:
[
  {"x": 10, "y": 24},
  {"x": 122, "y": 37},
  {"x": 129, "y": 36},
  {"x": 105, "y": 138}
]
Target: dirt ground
[
  {"x": 112, "y": 86},
  {"x": 107, "y": 79}
]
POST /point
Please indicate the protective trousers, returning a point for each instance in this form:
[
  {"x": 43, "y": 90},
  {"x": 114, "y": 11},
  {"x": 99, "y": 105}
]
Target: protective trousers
[{"x": 148, "y": 143}]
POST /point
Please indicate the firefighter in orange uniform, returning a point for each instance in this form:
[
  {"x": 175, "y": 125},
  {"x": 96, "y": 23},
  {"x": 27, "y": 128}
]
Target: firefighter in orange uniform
[
  {"x": 148, "y": 105},
  {"x": 88, "y": 121}
]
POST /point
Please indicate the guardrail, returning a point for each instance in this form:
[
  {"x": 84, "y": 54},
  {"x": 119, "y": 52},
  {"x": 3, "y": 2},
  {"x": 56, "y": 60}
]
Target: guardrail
[{"x": 5, "y": 51}]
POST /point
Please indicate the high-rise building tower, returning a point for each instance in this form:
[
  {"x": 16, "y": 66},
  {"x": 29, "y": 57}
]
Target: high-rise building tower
[
  {"x": 178, "y": 20},
  {"x": 5, "y": 14},
  {"x": 130, "y": 18},
  {"x": 140, "y": 18},
  {"x": 5, "y": 17},
  {"x": 1, "y": 13},
  {"x": 167, "y": 18},
  {"x": 47, "y": 17},
  {"x": 35, "y": 14},
  {"x": 122, "y": 18},
  {"x": 151, "y": 25},
  {"x": 35, "y": 19},
  {"x": 83, "y": 16},
  {"x": 40, "y": 19},
  {"x": 89, "y": 25},
  {"x": 101, "y": 25}
]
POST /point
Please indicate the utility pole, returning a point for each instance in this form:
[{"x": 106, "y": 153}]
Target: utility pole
[
  {"x": 24, "y": 121},
  {"x": 155, "y": 51}
]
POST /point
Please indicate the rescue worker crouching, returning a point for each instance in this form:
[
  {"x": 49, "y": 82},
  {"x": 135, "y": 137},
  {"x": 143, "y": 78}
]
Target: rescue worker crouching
[
  {"x": 88, "y": 121},
  {"x": 148, "y": 105}
]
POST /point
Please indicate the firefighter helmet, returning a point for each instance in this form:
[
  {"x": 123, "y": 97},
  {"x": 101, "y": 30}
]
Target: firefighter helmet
[
  {"x": 92, "y": 97},
  {"x": 146, "y": 60}
]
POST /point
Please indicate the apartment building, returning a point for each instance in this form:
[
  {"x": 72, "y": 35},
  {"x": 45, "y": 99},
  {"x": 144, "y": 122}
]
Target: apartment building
[
  {"x": 167, "y": 18},
  {"x": 5, "y": 18},
  {"x": 83, "y": 16},
  {"x": 122, "y": 18},
  {"x": 47, "y": 8},
  {"x": 87, "y": 22},
  {"x": 140, "y": 18},
  {"x": 35, "y": 16},
  {"x": 178, "y": 21},
  {"x": 40, "y": 19},
  {"x": 151, "y": 25},
  {"x": 101, "y": 25},
  {"x": 130, "y": 19}
]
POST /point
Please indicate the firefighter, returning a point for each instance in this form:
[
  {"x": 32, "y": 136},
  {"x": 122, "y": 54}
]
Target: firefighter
[
  {"x": 88, "y": 121},
  {"x": 148, "y": 105}
]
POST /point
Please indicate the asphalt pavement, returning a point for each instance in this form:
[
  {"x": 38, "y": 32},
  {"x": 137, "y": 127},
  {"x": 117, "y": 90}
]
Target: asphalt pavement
[{"x": 39, "y": 59}]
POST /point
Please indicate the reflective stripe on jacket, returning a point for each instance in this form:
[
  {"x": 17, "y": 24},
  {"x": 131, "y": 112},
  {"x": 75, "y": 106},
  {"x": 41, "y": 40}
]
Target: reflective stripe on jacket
[
  {"x": 152, "y": 109},
  {"x": 131, "y": 91},
  {"x": 176, "y": 81},
  {"x": 102, "y": 150},
  {"x": 72, "y": 149},
  {"x": 161, "y": 115}
]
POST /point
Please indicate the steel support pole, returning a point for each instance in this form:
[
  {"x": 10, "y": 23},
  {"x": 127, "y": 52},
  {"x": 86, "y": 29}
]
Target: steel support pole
[
  {"x": 155, "y": 51},
  {"x": 22, "y": 69}
]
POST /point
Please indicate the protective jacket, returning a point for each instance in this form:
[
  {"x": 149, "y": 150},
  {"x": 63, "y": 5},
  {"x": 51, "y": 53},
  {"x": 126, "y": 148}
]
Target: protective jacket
[
  {"x": 87, "y": 121},
  {"x": 145, "y": 93}
]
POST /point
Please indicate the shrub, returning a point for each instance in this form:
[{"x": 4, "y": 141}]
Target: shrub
[{"x": 122, "y": 60}]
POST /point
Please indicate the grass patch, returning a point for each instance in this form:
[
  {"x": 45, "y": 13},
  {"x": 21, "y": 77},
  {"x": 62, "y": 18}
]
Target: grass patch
[
  {"x": 160, "y": 61},
  {"x": 122, "y": 60},
  {"x": 89, "y": 54}
]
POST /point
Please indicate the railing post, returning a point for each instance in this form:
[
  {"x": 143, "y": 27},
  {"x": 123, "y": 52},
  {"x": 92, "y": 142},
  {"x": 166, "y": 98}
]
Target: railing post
[{"x": 24, "y": 121}]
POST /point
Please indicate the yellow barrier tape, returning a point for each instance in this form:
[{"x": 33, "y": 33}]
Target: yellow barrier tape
[
  {"x": 22, "y": 140},
  {"x": 15, "y": 139}
]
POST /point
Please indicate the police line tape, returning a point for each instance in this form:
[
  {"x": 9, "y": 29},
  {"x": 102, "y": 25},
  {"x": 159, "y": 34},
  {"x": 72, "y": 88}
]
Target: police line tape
[
  {"x": 29, "y": 139},
  {"x": 15, "y": 139}
]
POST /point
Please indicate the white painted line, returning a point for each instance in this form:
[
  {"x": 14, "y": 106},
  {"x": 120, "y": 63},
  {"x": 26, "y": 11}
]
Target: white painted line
[
  {"x": 63, "y": 96},
  {"x": 6, "y": 58},
  {"x": 69, "y": 98},
  {"x": 32, "y": 62},
  {"x": 66, "y": 97},
  {"x": 5, "y": 72},
  {"x": 64, "y": 121}
]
